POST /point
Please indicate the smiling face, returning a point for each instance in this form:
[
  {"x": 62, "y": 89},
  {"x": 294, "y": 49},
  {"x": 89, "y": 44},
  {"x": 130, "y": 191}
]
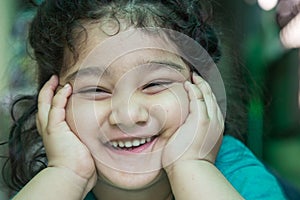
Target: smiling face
[{"x": 125, "y": 108}]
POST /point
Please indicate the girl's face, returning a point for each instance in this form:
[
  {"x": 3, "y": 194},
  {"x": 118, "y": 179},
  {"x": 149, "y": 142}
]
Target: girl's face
[{"x": 126, "y": 104}]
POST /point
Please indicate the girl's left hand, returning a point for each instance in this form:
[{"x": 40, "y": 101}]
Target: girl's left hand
[{"x": 200, "y": 136}]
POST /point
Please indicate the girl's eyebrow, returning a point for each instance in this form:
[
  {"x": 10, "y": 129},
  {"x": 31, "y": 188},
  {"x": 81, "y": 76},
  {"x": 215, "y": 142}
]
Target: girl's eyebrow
[
  {"x": 100, "y": 71},
  {"x": 168, "y": 63},
  {"x": 89, "y": 71}
]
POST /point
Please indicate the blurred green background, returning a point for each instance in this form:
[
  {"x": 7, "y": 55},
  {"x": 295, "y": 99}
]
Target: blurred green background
[
  {"x": 252, "y": 35},
  {"x": 250, "y": 38}
]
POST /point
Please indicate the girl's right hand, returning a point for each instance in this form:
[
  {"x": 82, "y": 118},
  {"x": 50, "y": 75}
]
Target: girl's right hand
[{"x": 63, "y": 148}]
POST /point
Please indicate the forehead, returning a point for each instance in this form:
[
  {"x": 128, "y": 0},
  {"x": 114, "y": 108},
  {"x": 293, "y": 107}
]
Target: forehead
[
  {"x": 127, "y": 48},
  {"x": 144, "y": 59},
  {"x": 141, "y": 62},
  {"x": 95, "y": 33}
]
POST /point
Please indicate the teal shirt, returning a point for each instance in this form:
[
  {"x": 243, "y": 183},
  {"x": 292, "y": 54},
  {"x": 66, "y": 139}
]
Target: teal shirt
[{"x": 244, "y": 171}]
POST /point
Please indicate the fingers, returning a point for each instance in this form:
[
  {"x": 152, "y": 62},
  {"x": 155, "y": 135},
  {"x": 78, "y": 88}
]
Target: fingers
[
  {"x": 202, "y": 99},
  {"x": 51, "y": 106},
  {"x": 57, "y": 112},
  {"x": 211, "y": 113},
  {"x": 44, "y": 102},
  {"x": 219, "y": 114},
  {"x": 203, "y": 103},
  {"x": 208, "y": 96},
  {"x": 197, "y": 103}
]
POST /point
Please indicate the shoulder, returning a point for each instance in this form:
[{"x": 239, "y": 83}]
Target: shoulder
[{"x": 245, "y": 172}]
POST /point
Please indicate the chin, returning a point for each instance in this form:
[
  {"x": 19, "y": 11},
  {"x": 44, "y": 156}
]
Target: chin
[{"x": 127, "y": 180}]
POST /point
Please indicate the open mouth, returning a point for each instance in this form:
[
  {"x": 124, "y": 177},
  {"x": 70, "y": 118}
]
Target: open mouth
[{"x": 132, "y": 145}]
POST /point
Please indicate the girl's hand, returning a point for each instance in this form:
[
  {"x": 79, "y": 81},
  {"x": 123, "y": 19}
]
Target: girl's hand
[
  {"x": 200, "y": 136},
  {"x": 190, "y": 153},
  {"x": 63, "y": 148}
]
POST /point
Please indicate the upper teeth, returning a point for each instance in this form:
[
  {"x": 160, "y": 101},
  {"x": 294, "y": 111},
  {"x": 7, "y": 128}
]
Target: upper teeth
[{"x": 130, "y": 143}]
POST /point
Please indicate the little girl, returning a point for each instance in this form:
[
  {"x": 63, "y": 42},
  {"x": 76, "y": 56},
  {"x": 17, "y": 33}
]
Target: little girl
[{"x": 129, "y": 106}]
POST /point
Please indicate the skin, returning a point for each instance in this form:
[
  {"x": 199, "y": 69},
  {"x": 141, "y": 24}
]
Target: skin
[
  {"x": 130, "y": 106},
  {"x": 75, "y": 123}
]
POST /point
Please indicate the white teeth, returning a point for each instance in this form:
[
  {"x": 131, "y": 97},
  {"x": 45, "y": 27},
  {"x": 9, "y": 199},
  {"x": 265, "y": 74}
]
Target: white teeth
[
  {"x": 143, "y": 140},
  {"x": 136, "y": 143},
  {"x": 114, "y": 143},
  {"x": 128, "y": 144},
  {"x": 121, "y": 144}
]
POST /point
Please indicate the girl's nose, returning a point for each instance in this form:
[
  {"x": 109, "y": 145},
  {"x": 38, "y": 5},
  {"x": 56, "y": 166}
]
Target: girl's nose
[{"x": 128, "y": 112}]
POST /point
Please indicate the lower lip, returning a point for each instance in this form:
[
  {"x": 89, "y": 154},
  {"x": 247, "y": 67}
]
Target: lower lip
[{"x": 139, "y": 149}]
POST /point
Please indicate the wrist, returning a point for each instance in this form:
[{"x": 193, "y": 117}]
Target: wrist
[
  {"x": 54, "y": 183},
  {"x": 199, "y": 179},
  {"x": 67, "y": 176},
  {"x": 180, "y": 167}
]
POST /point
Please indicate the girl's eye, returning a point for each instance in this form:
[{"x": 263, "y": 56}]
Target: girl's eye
[
  {"x": 95, "y": 93},
  {"x": 156, "y": 87}
]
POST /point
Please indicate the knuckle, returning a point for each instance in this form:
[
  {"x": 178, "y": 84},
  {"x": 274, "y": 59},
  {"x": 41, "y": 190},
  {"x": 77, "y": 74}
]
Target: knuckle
[{"x": 55, "y": 102}]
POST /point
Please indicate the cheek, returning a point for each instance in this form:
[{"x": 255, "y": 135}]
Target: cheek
[
  {"x": 173, "y": 109},
  {"x": 82, "y": 118},
  {"x": 76, "y": 116},
  {"x": 179, "y": 109}
]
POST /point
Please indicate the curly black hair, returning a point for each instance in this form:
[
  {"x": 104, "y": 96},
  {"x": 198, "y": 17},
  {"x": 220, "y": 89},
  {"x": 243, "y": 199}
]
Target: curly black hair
[{"x": 57, "y": 25}]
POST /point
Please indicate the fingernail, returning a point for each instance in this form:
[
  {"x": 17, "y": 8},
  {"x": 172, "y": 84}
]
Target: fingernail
[
  {"x": 66, "y": 86},
  {"x": 195, "y": 78},
  {"x": 187, "y": 83}
]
